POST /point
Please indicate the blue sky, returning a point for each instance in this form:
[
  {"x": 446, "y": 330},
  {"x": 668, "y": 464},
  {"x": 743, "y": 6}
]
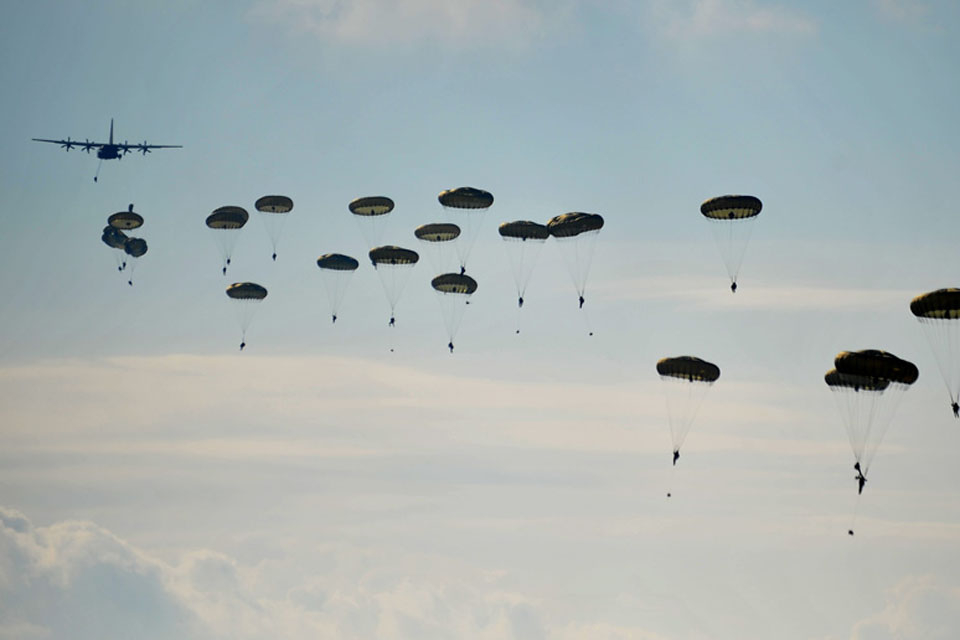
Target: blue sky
[{"x": 317, "y": 485}]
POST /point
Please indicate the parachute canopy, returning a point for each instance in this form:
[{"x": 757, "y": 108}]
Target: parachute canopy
[
  {"x": 337, "y": 262},
  {"x": 454, "y": 283},
  {"x": 389, "y": 254},
  {"x": 371, "y": 206},
  {"x": 125, "y": 220},
  {"x": 466, "y": 198},
  {"x": 246, "y": 291},
  {"x": 228, "y": 218},
  {"x": 524, "y": 230},
  {"x": 572, "y": 224},
  {"x": 731, "y": 207},
  {"x": 688, "y": 368},
  {"x": 437, "y": 232},
  {"x": 274, "y": 204},
  {"x": 939, "y": 304},
  {"x": 834, "y": 378},
  {"x": 113, "y": 237},
  {"x": 135, "y": 247},
  {"x": 872, "y": 363}
]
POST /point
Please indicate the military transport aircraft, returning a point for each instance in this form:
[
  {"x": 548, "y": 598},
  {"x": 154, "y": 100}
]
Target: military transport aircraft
[{"x": 109, "y": 150}]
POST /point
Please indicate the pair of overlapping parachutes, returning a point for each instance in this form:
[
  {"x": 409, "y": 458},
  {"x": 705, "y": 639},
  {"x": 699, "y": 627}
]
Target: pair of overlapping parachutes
[{"x": 127, "y": 249}]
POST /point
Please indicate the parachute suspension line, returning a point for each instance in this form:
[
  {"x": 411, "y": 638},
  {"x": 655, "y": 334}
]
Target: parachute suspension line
[
  {"x": 853, "y": 516},
  {"x": 673, "y": 475},
  {"x": 97, "y": 174},
  {"x": 945, "y": 341}
]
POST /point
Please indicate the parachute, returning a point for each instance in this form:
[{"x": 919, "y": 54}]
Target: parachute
[
  {"x": 686, "y": 381},
  {"x": 523, "y": 241},
  {"x": 226, "y": 223},
  {"x": 370, "y": 212},
  {"x": 438, "y": 239},
  {"x": 247, "y": 296},
  {"x": 393, "y": 265},
  {"x": 115, "y": 239},
  {"x": 274, "y": 210},
  {"x": 868, "y": 386},
  {"x": 939, "y": 314},
  {"x": 454, "y": 291},
  {"x": 732, "y": 223},
  {"x": 337, "y": 269},
  {"x": 576, "y": 232},
  {"x": 125, "y": 220},
  {"x": 467, "y": 207}
]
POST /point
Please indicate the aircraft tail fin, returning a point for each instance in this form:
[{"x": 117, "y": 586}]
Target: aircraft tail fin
[{"x": 111, "y": 130}]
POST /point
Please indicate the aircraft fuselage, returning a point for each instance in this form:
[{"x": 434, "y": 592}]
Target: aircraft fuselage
[{"x": 109, "y": 152}]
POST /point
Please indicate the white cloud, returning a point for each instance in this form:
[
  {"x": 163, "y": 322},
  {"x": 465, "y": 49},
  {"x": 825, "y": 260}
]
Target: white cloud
[
  {"x": 699, "y": 19},
  {"x": 464, "y": 24},
  {"x": 902, "y": 10},
  {"x": 918, "y": 607}
]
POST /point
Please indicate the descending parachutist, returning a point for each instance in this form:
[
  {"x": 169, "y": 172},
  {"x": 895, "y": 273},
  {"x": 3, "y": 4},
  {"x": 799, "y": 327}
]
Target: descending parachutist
[
  {"x": 392, "y": 321},
  {"x": 518, "y": 331},
  {"x": 450, "y": 346},
  {"x": 956, "y": 409},
  {"x": 676, "y": 456},
  {"x": 274, "y": 257},
  {"x": 733, "y": 287},
  {"x": 463, "y": 270},
  {"x": 520, "y": 302},
  {"x": 228, "y": 260},
  {"x": 242, "y": 345},
  {"x": 581, "y": 302},
  {"x": 334, "y": 319},
  {"x": 224, "y": 271},
  {"x": 130, "y": 282},
  {"x": 850, "y": 532}
]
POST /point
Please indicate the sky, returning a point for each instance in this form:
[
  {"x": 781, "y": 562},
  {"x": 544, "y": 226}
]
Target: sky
[{"x": 352, "y": 480}]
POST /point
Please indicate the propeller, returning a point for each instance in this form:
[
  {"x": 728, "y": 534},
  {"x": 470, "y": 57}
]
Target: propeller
[
  {"x": 67, "y": 144},
  {"x": 143, "y": 148},
  {"x": 87, "y": 145},
  {"x": 126, "y": 147}
]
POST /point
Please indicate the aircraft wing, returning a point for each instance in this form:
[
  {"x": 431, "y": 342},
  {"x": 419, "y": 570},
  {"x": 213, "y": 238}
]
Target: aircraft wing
[
  {"x": 69, "y": 144},
  {"x": 145, "y": 148}
]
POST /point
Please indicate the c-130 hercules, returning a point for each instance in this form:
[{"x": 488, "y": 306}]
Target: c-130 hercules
[{"x": 109, "y": 150}]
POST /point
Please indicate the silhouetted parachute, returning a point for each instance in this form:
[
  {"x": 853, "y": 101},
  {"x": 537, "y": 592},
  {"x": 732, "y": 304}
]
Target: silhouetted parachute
[
  {"x": 116, "y": 239},
  {"x": 576, "y": 233},
  {"x": 686, "y": 381},
  {"x": 523, "y": 241},
  {"x": 467, "y": 207},
  {"x": 393, "y": 265},
  {"x": 939, "y": 314},
  {"x": 454, "y": 291},
  {"x": 126, "y": 220},
  {"x": 274, "y": 210},
  {"x": 371, "y": 212},
  {"x": 438, "y": 239},
  {"x": 337, "y": 270},
  {"x": 247, "y": 297},
  {"x": 226, "y": 223},
  {"x": 732, "y": 224},
  {"x": 868, "y": 386},
  {"x": 135, "y": 248}
]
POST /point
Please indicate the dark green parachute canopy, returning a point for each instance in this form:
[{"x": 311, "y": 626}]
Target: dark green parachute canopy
[
  {"x": 872, "y": 363},
  {"x": 125, "y": 220},
  {"x": 688, "y": 368},
  {"x": 135, "y": 247},
  {"x": 834, "y": 378},
  {"x": 246, "y": 291},
  {"x": 274, "y": 204},
  {"x": 466, "y": 198},
  {"x": 437, "y": 232},
  {"x": 371, "y": 206},
  {"x": 731, "y": 207},
  {"x": 389, "y": 254},
  {"x": 524, "y": 230},
  {"x": 454, "y": 283},
  {"x": 228, "y": 218},
  {"x": 573, "y": 224},
  {"x": 113, "y": 238},
  {"x": 940, "y": 304},
  {"x": 337, "y": 262}
]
